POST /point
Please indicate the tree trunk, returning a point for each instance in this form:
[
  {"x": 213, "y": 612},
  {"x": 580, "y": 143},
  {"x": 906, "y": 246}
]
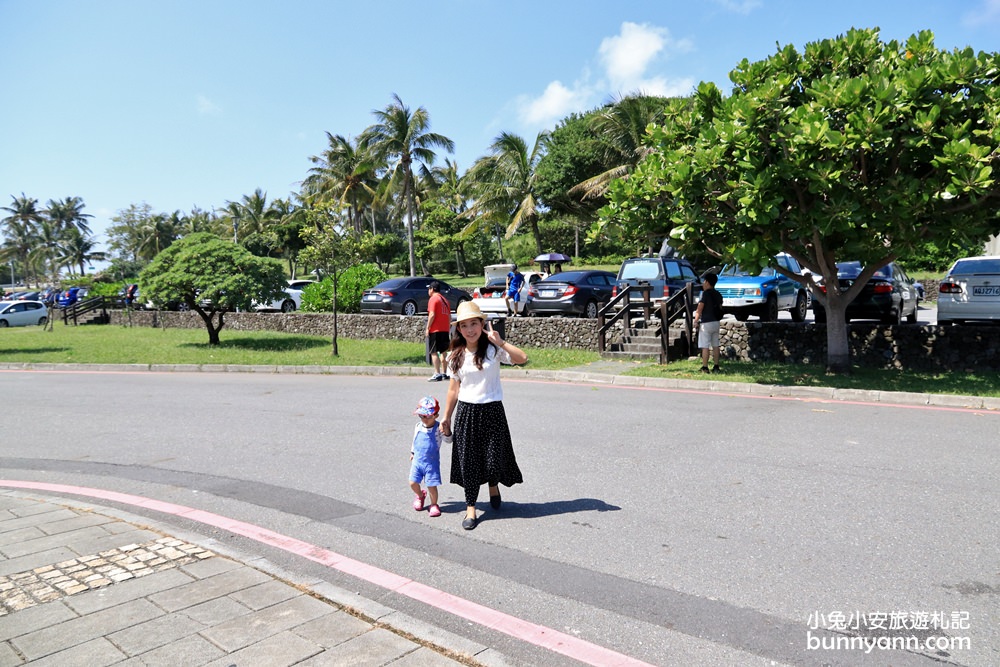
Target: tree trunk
[
  {"x": 838, "y": 349},
  {"x": 336, "y": 350},
  {"x": 408, "y": 193}
]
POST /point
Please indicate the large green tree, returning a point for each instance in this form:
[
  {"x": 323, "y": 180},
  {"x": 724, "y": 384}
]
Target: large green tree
[
  {"x": 213, "y": 277},
  {"x": 853, "y": 149},
  {"x": 401, "y": 137}
]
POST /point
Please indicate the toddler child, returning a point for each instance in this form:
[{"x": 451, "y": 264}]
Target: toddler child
[{"x": 425, "y": 455}]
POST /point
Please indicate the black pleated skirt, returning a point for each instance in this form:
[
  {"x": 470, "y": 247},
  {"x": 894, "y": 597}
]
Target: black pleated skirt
[{"x": 482, "y": 452}]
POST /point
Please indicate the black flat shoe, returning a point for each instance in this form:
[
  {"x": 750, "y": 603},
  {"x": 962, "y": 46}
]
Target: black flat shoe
[
  {"x": 469, "y": 524},
  {"x": 495, "y": 501}
]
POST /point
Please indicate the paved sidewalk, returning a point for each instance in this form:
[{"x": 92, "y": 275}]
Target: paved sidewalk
[{"x": 83, "y": 588}]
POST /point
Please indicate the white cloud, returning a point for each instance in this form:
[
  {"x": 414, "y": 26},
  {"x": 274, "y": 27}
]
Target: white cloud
[
  {"x": 987, "y": 13},
  {"x": 556, "y": 102},
  {"x": 628, "y": 55},
  {"x": 207, "y": 107},
  {"x": 626, "y": 59},
  {"x": 739, "y": 6}
]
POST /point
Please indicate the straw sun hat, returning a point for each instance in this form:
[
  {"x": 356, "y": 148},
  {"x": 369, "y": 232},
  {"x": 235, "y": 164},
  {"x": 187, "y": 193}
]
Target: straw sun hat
[{"x": 468, "y": 310}]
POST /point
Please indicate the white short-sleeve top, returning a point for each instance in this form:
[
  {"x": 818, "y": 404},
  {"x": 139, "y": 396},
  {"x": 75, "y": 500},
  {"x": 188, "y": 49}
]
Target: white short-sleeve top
[{"x": 482, "y": 385}]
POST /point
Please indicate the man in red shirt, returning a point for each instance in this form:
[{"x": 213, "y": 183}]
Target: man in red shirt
[{"x": 438, "y": 329}]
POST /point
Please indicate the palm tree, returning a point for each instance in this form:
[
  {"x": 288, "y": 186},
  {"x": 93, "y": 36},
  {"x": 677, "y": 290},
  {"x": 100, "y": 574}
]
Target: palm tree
[
  {"x": 622, "y": 128},
  {"x": 77, "y": 249},
  {"x": 400, "y": 137},
  {"x": 250, "y": 215},
  {"x": 20, "y": 229},
  {"x": 503, "y": 183},
  {"x": 47, "y": 247},
  {"x": 345, "y": 173},
  {"x": 68, "y": 213}
]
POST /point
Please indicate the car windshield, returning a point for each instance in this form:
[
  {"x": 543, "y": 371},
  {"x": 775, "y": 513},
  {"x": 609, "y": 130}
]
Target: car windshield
[
  {"x": 565, "y": 277},
  {"x": 392, "y": 283},
  {"x": 976, "y": 265},
  {"x": 637, "y": 270},
  {"x": 737, "y": 270},
  {"x": 854, "y": 269}
]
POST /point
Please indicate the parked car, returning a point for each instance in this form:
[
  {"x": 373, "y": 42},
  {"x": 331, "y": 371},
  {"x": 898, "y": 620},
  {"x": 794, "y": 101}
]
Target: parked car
[
  {"x": 28, "y": 296},
  {"x": 970, "y": 291},
  {"x": 765, "y": 293},
  {"x": 292, "y": 300},
  {"x": 666, "y": 276},
  {"x": 490, "y": 299},
  {"x": 71, "y": 296},
  {"x": 571, "y": 293},
  {"x": 407, "y": 296},
  {"x": 49, "y": 295},
  {"x": 889, "y": 296},
  {"x": 22, "y": 313}
]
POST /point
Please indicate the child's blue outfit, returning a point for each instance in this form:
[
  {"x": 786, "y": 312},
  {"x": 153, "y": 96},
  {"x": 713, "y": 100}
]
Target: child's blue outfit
[{"x": 426, "y": 465}]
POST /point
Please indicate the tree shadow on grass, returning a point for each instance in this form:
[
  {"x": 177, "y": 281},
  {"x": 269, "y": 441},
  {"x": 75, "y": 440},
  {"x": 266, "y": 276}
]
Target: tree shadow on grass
[
  {"x": 34, "y": 350},
  {"x": 283, "y": 344}
]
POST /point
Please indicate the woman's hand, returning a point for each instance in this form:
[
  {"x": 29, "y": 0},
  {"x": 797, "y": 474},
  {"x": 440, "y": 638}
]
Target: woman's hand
[{"x": 493, "y": 335}]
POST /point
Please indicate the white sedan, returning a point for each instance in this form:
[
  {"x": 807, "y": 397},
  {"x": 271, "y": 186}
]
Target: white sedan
[
  {"x": 291, "y": 301},
  {"x": 970, "y": 291},
  {"x": 22, "y": 313},
  {"x": 490, "y": 299}
]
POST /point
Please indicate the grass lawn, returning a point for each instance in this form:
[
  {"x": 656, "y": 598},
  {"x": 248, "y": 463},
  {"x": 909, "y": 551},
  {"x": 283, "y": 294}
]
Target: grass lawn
[
  {"x": 94, "y": 344},
  {"x": 143, "y": 345}
]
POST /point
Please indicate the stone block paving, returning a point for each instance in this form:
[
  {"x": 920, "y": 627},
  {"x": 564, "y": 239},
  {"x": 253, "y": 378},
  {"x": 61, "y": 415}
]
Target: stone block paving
[{"x": 164, "y": 601}]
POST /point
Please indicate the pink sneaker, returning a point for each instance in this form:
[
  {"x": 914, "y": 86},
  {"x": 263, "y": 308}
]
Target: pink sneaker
[
  {"x": 435, "y": 511},
  {"x": 418, "y": 501}
]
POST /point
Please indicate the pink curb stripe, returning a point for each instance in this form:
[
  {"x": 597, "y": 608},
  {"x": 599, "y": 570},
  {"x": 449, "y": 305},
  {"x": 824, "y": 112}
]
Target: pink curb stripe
[{"x": 532, "y": 633}]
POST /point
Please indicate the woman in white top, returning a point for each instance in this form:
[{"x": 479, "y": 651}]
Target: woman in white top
[{"x": 482, "y": 452}]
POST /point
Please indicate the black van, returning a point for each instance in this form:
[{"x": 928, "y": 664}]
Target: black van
[{"x": 666, "y": 275}]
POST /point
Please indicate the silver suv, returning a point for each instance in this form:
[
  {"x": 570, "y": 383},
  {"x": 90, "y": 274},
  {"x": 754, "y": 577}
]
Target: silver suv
[{"x": 665, "y": 275}]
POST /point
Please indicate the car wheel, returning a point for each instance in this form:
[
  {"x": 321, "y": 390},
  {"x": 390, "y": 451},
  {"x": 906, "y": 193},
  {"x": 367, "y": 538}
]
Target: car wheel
[
  {"x": 410, "y": 308},
  {"x": 3, "y": 324},
  {"x": 912, "y": 317},
  {"x": 42, "y": 321},
  {"x": 741, "y": 316},
  {"x": 770, "y": 312},
  {"x": 799, "y": 311},
  {"x": 287, "y": 306},
  {"x": 590, "y": 310},
  {"x": 183, "y": 307}
]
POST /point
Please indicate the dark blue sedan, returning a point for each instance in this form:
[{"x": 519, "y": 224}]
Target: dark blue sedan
[{"x": 578, "y": 293}]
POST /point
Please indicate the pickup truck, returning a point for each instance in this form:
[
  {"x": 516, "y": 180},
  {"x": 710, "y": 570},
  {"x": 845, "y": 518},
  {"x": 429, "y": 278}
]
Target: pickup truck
[{"x": 763, "y": 294}]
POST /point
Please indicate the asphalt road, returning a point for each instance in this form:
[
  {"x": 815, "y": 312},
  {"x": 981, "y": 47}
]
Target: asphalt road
[{"x": 677, "y": 527}]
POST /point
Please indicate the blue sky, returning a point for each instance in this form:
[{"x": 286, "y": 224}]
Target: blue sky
[{"x": 182, "y": 103}]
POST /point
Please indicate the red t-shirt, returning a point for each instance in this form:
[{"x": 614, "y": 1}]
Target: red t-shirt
[{"x": 438, "y": 305}]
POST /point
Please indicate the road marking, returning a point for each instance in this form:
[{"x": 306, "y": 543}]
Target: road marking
[{"x": 532, "y": 633}]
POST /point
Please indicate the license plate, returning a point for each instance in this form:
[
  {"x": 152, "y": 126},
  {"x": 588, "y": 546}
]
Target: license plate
[
  {"x": 371, "y": 297},
  {"x": 546, "y": 293},
  {"x": 992, "y": 290}
]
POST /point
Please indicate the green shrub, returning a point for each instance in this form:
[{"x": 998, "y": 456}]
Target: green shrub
[{"x": 318, "y": 298}]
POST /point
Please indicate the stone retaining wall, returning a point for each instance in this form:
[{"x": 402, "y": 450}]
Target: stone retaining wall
[
  {"x": 965, "y": 348},
  {"x": 556, "y": 332}
]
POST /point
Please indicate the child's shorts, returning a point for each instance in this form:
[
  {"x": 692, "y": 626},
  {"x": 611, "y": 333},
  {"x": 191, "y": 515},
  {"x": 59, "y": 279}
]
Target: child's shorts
[
  {"x": 426, "y": 472},
  {"x": 708, "y": 335}
]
